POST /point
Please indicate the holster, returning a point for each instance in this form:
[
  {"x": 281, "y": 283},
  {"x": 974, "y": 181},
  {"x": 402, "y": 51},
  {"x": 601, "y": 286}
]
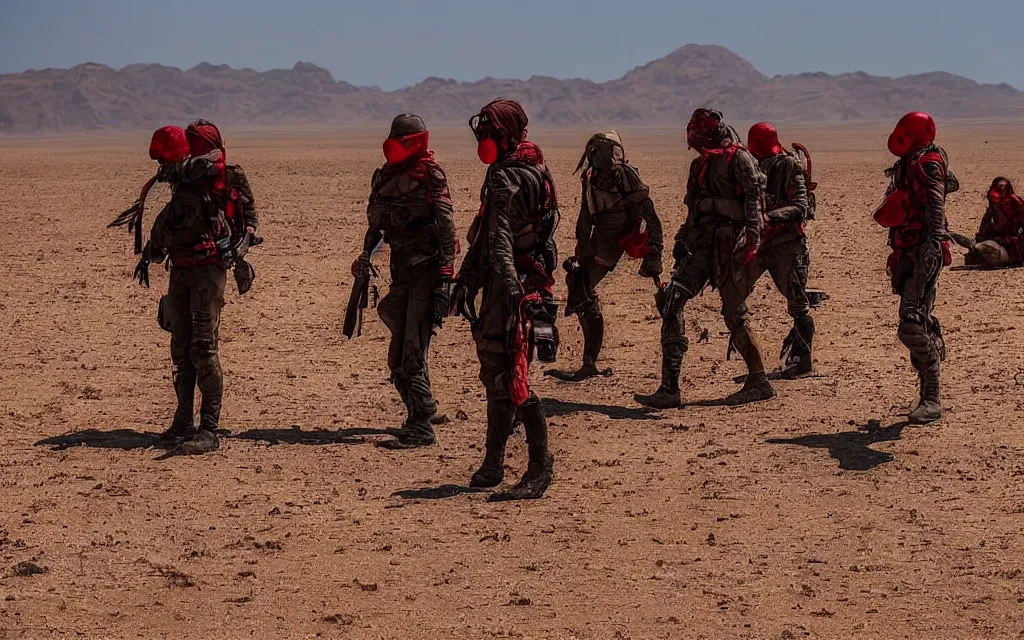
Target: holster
[
  {"x": 543, "y": 332},
  {"x": 161, "y": 314}
]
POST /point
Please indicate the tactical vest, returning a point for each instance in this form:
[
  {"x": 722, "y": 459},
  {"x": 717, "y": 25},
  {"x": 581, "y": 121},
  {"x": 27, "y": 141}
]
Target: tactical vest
[
  {"x": 402, "y": 210},
  {"x": 719, "y": 195}
]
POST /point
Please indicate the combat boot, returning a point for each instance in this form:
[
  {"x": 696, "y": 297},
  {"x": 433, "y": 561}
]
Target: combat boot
[
  {"x": 592, "y": 326},
  {"x": 755, "y": 389},
  {"x": 500, "y": 416},
  {"x": 204, "y": 441},
  {"x": 798, "y": 361},
  {"x": 417, "y": 432},
  {"x": 540, "y": 469},
  {"x": 667, "y": 396},
  {"x": 929, "y": 408},
  {"x": 183, "y": 425}
]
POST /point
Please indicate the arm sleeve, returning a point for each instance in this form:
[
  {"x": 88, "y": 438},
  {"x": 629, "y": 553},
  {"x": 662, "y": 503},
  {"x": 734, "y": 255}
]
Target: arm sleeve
[
  {"x": 935, "y": 206},
  {"x": 679, "y": 244},
  {"x": 797, "y": 208},
  {"x": 240, "y": 183},
  {"x": 375, "y": 212},
  {"x": 501, "y": 190},
  {"x": 751, "y": 181},
  {"x": 190, "y": 170},
  {"x": 584, "y": 223},
  {"x": 441, "y": 201},
  {"x": 637, "y": 196}
]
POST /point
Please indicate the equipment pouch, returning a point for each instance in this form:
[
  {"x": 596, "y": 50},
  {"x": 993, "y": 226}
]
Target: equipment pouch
[
  {"x": 543, "y": 332},
  {"x": 161, "y": 315}
]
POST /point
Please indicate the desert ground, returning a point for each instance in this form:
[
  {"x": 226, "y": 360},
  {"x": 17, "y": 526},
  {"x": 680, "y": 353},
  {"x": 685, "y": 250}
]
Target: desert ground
[{"x": 818, "y": 514}]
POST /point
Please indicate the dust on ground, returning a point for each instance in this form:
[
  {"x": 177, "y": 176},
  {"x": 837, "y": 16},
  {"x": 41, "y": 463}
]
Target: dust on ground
[{"x": 819, "y": 514}]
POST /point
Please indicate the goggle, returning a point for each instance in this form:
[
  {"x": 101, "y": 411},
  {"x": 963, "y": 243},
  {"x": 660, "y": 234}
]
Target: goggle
[{"x": 481, "y": 126}]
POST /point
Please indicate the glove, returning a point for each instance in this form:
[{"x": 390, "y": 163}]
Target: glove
[
  {"x": 651, "y": 266},
  {"x": 442, "y": 299},
  {"x": 572, "y": 263},
  {"x": 669, "y": 297},
  {"x": 462, "y": 302},
  {"x": 361, "y": 266},
  {"x": 141, "y": 274},
  {"x": 746, "y": 245}
]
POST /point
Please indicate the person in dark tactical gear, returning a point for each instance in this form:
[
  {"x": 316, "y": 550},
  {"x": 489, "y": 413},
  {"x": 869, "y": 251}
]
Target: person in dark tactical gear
[
  {"x": 914, "y": 211},
  {"x": 410, "y": 208},
  {"x": 512, "y": 258},
  {"x": 783, "y": 252},
  {"x": 203, "y": 232},
  {"x": 616, "y": 217},
  {"x": 717, "y": 244}
]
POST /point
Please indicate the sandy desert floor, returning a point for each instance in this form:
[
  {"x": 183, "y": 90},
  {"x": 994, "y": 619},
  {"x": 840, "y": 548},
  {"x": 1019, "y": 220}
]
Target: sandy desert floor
[{"x": 789, "y": 519}]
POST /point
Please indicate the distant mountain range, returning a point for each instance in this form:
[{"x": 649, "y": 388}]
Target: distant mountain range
[{"x": 665, "y": 91}]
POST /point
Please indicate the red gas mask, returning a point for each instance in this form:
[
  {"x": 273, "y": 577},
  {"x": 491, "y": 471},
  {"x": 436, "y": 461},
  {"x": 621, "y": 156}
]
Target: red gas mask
[
  {"x": 398, "y": 150},
  {"x": 168, "y": 145},
  {"x": 763, "y": 141},
  {"x": 485, "y": 134},
  {"x": 913, "y": 132}
]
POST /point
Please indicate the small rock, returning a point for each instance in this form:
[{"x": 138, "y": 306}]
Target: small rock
[{"x": 25, "y": 569}]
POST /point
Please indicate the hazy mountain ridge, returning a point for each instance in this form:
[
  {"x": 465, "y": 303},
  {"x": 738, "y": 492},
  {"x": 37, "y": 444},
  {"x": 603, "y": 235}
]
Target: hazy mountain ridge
[{"x": 664, "y": 91}]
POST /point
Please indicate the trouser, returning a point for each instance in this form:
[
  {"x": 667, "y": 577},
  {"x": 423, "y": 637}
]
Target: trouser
[
  {"x": 493, "y": 332},
  {"x": 915, "y": 279},
  {"x": 710, "y": 261},
  {"x": 788, "y": 263},
  {"x": 407, "y": 311},
  {"x": 585, "y": 303},
  {"x": 195, "y": 297}
]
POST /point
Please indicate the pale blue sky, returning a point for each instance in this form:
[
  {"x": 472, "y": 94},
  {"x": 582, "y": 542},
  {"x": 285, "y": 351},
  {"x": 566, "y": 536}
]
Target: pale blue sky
[{"x": 393, "y": 43}]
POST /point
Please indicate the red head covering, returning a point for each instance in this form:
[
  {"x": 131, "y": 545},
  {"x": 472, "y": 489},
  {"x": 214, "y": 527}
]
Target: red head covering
[
  {"x": 168, "y": 145},
  {"x": 913, "y": 132},
  {"x": 203, "y": 137},
  {"x": 763, "y": 141},
  {"x": 1000, "y": 190},
  {"x": 706, "y": 130},
  {"x": 499, "y": 128}
]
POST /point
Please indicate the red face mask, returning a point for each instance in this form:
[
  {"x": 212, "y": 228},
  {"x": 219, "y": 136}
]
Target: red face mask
[
  {"x": 487, "y": 151},
  {"x": 913, "y": 132},
  {"x": 763, "y": 141},
  {"x": 398, "y": 150},
  {"x": 999, "y": 191}
]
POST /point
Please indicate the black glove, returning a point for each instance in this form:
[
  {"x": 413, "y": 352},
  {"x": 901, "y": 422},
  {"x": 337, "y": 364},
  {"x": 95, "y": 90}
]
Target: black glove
[
  {"x": 462, "y": 302},
  {"x": 442, "y": 300},
  {"x": 141, "y": 274}
]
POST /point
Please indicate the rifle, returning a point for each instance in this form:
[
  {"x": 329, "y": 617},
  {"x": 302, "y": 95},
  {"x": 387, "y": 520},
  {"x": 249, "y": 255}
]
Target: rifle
[{"x": 358, "y": 300}]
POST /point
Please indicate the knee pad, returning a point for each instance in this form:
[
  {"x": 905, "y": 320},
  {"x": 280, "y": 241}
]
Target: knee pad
[{"x": 913, "y": 334}]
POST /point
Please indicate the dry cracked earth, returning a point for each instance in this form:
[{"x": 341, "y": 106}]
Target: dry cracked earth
[{"x": 818, "y": 514}]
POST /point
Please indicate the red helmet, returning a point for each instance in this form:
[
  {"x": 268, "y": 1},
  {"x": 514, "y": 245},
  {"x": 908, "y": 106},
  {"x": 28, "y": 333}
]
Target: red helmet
[
  {"x": 203, "y": 137},
  {"x": 763, "y": 141},
  {"x": 168, "y": 145},
  {"x": 913, "y": 132}
]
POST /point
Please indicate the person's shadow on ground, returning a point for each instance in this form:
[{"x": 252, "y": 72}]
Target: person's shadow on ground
[
  {"x": 295, "y": 435},
  {"x": 123, "y": 439},
  {"x": 555, "y": 408},
  {"x": 851, "y": 448},
  {"x": 129, "y": 439}
]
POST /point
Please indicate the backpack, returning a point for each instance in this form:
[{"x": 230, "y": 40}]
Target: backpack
[{"x": 803, "y": 158}]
